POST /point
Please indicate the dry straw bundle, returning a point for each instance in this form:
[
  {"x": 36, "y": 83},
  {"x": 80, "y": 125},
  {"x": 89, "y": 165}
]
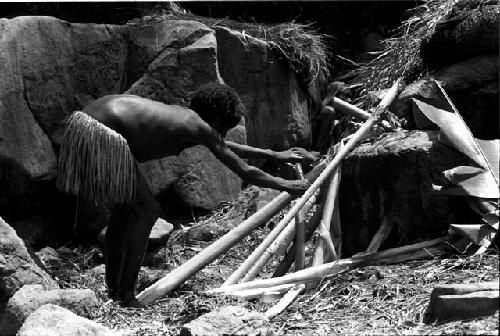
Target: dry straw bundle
[
  {"x": 95, "y": 162},
  {"x": 301, "y": 45},
  {"x": 402, "y": 53}
]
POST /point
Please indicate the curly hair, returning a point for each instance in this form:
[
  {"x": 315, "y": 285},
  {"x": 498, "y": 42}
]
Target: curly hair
[{"x": 214, "y": 101}]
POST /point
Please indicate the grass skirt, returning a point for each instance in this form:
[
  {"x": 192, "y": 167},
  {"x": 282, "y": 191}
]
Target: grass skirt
[{"x": 95, "y": 162}]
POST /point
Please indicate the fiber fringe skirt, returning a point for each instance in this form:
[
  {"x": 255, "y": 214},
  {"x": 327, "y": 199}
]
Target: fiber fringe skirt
[{"x": 95, "y": 162}]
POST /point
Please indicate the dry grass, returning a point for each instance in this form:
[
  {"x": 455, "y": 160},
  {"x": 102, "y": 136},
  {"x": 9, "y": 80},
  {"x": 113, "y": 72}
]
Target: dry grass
[
  {"x": 401, "y": 55},
  {"x": 372, "y": 300},
  {"x": 301, "y": 45}
]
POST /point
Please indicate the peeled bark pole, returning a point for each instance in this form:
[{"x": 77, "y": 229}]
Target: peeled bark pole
[
  {"x": 350, "y": 109},
  {"x": 380, "y": 236},
  {"x": 287, "y": 261},
  {"x": 278, "y": 246},
  {"x": 300, "y": 230},
  {"x": 343, "y": 152},
  {"x": 316, "y": 273},
  {"x": 209, "y": 254},
  {"x": 285, "y": 301},
  {"x": 324, "y": 227}
]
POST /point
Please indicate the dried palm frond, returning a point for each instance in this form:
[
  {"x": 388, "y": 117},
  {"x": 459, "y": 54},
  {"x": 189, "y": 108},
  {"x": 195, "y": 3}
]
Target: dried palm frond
[{"x": 95, "y": 162}]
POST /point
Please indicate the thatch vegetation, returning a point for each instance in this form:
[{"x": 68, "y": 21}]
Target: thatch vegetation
[
  {"x": 401, "y": 56},
  {"x": 303, "y": 46}
]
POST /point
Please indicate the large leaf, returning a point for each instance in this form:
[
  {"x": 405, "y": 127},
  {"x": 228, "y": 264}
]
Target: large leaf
[
  {"x": 472, "y": 181},
  {"x": 454, "y": 129},
  {"x": 480, "y": 234}
]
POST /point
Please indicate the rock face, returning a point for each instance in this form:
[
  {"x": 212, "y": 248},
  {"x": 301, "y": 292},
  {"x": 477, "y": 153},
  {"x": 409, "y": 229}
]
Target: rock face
[
  {"x": 17, "y": 267},
  {"x": 230, "y": 320},
  {"x": 31, "y": 297},
  {"x": 473, "y": 88},
  {"x": 393, "y": 178},
  {"x": 50, "y": 320},
  {"x": 277, "y": 107},
  {"x": 162, "y": 59}
]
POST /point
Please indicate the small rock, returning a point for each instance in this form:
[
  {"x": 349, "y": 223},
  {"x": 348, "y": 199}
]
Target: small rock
[
  {"x": 51, "y": 320},
  {"x": 49, "y": 257},
  {"x": 30, "y": 297},
  {"x": 230, "y": 320},
  {"x": 160, "y": 233},
  {"x": 17, "y": 267}
]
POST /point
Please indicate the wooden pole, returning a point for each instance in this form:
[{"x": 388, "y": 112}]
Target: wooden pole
[
  {"x": 350, "y": 109},
  {"x": 316, "y": 273},
  {"x": 290, "y": 255},
  {"x": 278, "y": 246},
  {"x": 380, "y": 236},
  {"x": 343, "y": 152},
  {"x": 300, "y": 231},
  {"x": 285, "y": 301},
  {"x": 209, "y": 254},
  {"x": 331, "y": 196}
]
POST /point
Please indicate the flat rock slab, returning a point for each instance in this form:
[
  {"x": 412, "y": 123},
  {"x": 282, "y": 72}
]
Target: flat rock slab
[
  {"x": 52, "y": 320},
  {"x": 463, "y": 301},
  {"x": 230, "y": 320}
]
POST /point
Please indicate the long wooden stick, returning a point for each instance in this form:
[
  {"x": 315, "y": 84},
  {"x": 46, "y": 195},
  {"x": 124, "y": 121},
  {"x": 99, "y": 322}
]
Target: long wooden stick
[
  {"x": 260, "y": 292},
  {"x": 343, "y": 152},
  {"x": 279, "y": 245},
  {"x": 331, "y": 195},
  {"x": 350, "y": 109},
  {"x": 289, "y": 257},
  {"x": 285, "y": 301},
  {"x": 315, "y": 273},
  {"x": 300, "y": 231},
  {"x": 209, "y": 254},
  {"x": 380, "y": 236}
]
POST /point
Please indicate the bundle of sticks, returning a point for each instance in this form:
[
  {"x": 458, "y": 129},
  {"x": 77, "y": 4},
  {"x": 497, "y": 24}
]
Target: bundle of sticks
[{"x": 290, "y": 234}]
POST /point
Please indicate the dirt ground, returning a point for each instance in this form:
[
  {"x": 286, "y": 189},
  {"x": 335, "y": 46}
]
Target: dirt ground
[{"x": 372, "y": 300}]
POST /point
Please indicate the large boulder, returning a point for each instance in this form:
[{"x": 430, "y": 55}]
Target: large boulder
[
  {"x": 49, "y": 69},
  {"x": 277, "y": 107},
  {"x": 186, "y": 59},
  {"x": 472, "y": 86},
  {"x": 50, "y": 320},
  {"x": 65, "y": 66},
  {"x": 31, "y": 297},
  {"x": 391, "y": 178},
  {"x": 17, "y": 267}
]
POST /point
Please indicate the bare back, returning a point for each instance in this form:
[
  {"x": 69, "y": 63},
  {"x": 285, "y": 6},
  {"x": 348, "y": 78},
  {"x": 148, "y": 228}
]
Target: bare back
[{"x": 153, "y": 130}]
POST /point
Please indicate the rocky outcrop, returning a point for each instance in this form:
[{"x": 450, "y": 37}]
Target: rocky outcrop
[
  {"x": 277, "y": 108},
  {"x": 392, "y": 178},
  {"x": 230, "y": 320},
  {"x": 31, "y": 297},
  {"x": 473, "y": 88},
  {"x": 50, "y": 319},
  {"x": 17, "y": 267},
  {"x": 51, "y": 68}
]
